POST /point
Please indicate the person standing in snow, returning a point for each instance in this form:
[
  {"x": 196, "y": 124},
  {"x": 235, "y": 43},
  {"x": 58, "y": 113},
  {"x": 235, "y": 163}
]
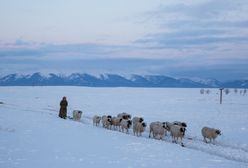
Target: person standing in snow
[{"x": 63, "y": 108}]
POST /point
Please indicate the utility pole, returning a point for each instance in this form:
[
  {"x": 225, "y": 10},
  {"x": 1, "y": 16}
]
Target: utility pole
[{"x": 221, "y": 95}]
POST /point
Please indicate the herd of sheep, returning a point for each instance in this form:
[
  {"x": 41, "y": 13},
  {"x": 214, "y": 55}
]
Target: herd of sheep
[{"x": 123, "y": 122}]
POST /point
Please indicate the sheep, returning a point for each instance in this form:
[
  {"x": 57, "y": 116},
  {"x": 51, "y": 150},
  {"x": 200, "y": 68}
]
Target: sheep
[
  {"x": 125, "y": 124},
  {"x": 177, "y": 132},
  {"x": 77, "y": 115},
  {"x": 96, "y": 120},
  {"x": 139, "y": 128},
  {"x": 137, "y": 119},
  {"x": 169, "y": 125},
  {"x": 124, "y": 115},
  {"x": 116, "y": 122},
  {"x": 183, "y": 124},
  {"x": 106, "y": 121},
  {"x": 210, "y": 133},
  {"x": 158, "y": 129}
]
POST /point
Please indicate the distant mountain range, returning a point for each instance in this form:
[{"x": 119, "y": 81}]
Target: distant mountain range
[{"x": 114, "y": 80}]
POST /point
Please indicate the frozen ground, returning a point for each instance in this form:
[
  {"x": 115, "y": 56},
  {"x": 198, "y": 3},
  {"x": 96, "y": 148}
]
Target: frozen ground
[{"x": 31, "y": 134}]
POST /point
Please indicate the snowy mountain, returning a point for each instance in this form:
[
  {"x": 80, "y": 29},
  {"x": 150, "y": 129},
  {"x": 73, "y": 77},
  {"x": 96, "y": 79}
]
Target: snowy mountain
[
  {"x": 241, "y": 83},
  {"x": 114, "y": 80},
  {"x": 208, "y": 82}
]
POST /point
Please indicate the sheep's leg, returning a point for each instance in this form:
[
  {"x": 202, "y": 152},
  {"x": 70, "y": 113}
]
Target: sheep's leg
[
  {"x": 176, "y": 140},
  {"x": 214, "y": 141},
  {"x": 205, "y": 140},
  {"x": 181, "y": 139},
  {"x": 173, "y": 139},
  {"x": 150, "y": 134}
]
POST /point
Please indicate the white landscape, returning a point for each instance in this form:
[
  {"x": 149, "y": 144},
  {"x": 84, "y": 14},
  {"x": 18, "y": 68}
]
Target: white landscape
[{"x": 33, "y": 136}]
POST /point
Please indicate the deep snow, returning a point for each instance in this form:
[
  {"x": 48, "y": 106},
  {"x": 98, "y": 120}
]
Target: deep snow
[{"x": 31, "y": 134}]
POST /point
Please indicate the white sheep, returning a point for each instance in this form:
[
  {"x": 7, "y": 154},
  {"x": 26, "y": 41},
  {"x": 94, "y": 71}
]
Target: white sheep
[
  {"x": 177, "y": 132},
  {"x": 139, "y": 128},
  {"x": 158, "y": 129},
  {"x": 183, "y": 124},
  {"x": 124, "y": 115},
  {"x": 116, "y": 122},
  {"x": 169, "y": 125},
  {"x": 137, "y": 119},
  {"x": 106, "y": 121},
  {"x": 96, "y": 120},
  {"x": 210, "y": 133},
  {"x": 77, "y": 115},
  {"x": 125, "y": 125}
]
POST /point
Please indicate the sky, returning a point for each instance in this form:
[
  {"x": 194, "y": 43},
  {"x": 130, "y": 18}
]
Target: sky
[{"x": 190, "y": 38}]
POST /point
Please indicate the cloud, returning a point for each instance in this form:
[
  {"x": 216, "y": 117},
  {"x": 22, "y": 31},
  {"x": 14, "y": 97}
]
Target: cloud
[
  {"x": 97, "y": 58},
  {"x": 205, "y": 29},
  {"x": 205, "y": 10},
  {"x": 58, "y": 51},
  {"x": 187, "y": 39},
  {"x": 197, "y": 22}
]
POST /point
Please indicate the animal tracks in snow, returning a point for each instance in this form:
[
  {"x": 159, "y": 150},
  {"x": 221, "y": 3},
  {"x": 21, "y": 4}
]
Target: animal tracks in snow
[{"x": 230, "y": 152}]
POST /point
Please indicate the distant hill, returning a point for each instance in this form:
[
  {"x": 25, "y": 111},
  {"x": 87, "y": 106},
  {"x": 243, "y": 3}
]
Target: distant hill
[{"x": 114, "y": 80}]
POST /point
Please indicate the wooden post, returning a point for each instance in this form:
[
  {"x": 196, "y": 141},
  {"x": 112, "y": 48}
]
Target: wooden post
[{"x": 221, "y": 95}]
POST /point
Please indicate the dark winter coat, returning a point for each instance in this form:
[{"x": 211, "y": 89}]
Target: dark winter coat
[{"x": 63, "y": 109}]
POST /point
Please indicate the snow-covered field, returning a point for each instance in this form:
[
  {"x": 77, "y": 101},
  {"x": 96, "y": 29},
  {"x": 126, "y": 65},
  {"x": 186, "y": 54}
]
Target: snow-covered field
[{"x": 32, "y": 135}]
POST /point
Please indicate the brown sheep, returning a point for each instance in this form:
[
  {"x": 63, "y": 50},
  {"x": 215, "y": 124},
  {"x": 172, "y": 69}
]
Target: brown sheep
[
  {"x": 177, "y": 132},
  {"x": 158, "y": 130},
  {"x": 116, "y": 123},
  {"x": 210, "y": 133},
  {"x": 137, "y": 119},
  {"x": 106, "y": 121},
  {"x": 139, "y": 128}
]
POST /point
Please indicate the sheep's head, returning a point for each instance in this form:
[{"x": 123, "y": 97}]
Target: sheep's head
[
  {"x": 109, "y": 120},
  {"x": 129, "y": 123},
  {"x": 125, "y": 117},
  {"x": 184, "y": 124},
  {"x": 144, "y": 124},
  {"x": 182, "y": 129},
  {"x": 166, "y": 125},
  {"x": 218, "y": 132},
  {"x": 141, "y": 119}
]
